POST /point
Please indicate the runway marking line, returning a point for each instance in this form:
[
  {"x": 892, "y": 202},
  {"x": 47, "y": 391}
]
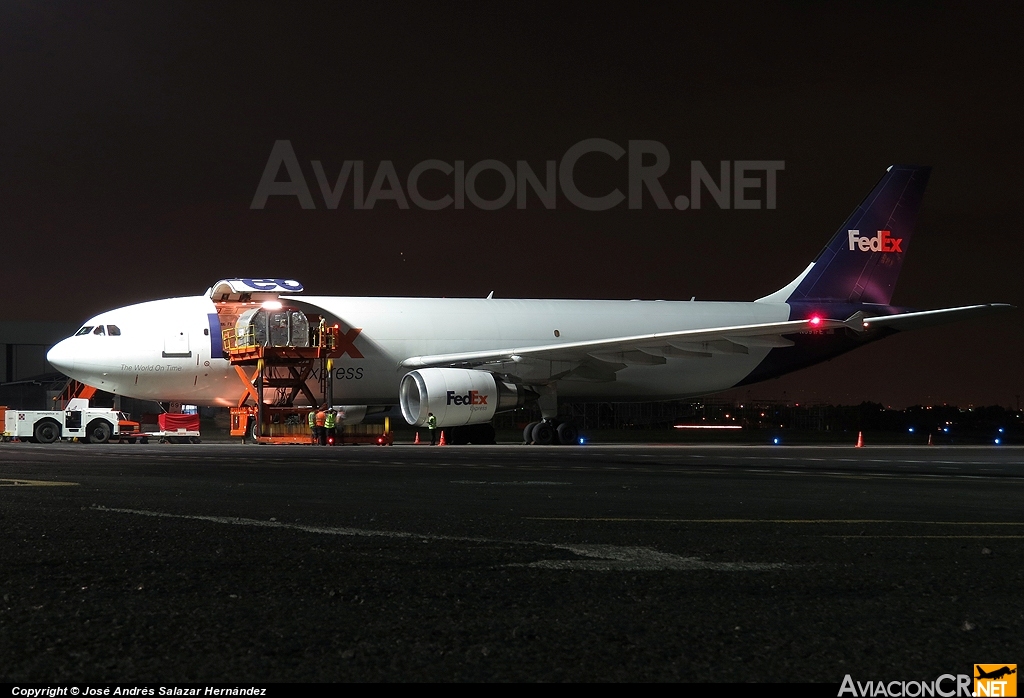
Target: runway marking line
[
  {"x": 603, "y": 558},
  {"x": 17, "y": 482}
]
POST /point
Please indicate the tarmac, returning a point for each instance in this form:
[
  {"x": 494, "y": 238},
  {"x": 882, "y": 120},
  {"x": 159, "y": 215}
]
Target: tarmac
[{"x": 230, "y": 563}]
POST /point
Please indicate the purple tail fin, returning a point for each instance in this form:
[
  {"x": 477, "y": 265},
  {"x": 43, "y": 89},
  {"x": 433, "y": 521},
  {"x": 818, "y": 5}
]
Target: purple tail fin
[{"x": 862, "y": 261}]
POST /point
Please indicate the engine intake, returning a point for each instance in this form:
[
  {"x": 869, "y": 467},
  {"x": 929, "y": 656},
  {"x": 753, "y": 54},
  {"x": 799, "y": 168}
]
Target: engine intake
[{"x": 457, "y": 396}]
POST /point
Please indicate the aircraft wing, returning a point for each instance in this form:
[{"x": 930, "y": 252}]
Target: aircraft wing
[
  {"x": 616, "y": 353},
  {"x": 927, "y": 318},
  {"x": 644, "y": 349}
]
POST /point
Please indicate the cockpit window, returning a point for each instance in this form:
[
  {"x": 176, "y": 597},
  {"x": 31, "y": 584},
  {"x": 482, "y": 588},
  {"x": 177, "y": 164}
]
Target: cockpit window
[
  {"x": 98, "y": 330},
  {"x": 85, "y": 330},
  {"x": 113, "y": 330}
]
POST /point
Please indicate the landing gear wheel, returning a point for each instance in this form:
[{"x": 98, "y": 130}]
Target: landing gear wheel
[
  {"x": 528, "y": 432},
  {"x": 544, "y": 434},
  {"x": 98, "y": 431},
  {"x": 46, "y": 432},
  {"x": 568, "y": 433}
]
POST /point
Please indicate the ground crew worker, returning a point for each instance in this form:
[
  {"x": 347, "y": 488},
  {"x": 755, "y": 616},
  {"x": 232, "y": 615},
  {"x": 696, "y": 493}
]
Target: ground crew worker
[
  {"x": 432, "y": 425},
  {"x": 329, "y": 425},
  {"x": 314, "y": 438},
  {"x": 321, "y": 419}
]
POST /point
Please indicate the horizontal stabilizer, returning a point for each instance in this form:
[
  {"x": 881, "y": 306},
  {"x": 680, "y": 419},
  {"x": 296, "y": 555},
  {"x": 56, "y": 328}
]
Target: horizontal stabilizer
[{"x": 927, "y": 318}]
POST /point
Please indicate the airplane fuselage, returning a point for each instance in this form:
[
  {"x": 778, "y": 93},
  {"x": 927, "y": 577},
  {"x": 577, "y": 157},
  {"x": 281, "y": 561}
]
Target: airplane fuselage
[{"x": 170, "y": 350}]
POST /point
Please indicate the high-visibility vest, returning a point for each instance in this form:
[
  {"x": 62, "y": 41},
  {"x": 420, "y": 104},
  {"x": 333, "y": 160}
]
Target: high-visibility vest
[
  {"x": 312, "y": 418},
  {"x": 329, "y": 420},
  {"x": 431, "y": 422},
  {"x": 321, "y": 417}
]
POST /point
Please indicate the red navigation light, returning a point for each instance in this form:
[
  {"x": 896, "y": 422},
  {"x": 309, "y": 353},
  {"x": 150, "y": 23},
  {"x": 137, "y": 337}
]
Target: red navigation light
[{"x": 815, "y": 320}]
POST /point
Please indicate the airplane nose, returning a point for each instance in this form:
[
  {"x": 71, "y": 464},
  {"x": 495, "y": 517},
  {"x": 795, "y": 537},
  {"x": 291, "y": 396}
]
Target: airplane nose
[{"x": 61, "y": 357}]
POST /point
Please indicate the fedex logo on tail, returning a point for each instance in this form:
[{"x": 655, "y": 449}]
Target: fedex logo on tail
[
  {"x": 883, "y": 242},
  {"x": 473, "y": 397}
]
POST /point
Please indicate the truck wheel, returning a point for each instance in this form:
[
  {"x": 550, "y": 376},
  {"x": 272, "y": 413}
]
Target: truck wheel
[
  {"x": 251, "y": 431},
  {"x": 46, "y": 431},
  {"x": 98, "y": 431}
]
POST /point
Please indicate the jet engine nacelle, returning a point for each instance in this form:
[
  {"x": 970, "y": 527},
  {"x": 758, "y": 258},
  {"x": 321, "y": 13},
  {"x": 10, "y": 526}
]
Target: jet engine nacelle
[{"x": 457, "y": 396}]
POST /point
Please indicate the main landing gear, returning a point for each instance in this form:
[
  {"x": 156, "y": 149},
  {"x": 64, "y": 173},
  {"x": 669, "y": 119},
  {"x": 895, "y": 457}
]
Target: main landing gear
[{"x": 550, "y": 432}]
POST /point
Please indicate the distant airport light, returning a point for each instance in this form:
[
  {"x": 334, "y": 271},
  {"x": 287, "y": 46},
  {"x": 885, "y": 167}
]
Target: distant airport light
[
  {"x": 708, "y": 426},
  {"x": 775, "y": 441},
  {"x": 997, "y": 442},
  {"x": 911, "y": 430}
]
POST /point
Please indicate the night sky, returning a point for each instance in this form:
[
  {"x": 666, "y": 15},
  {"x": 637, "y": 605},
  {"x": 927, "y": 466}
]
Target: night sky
[{"x": 134, "y": 137}]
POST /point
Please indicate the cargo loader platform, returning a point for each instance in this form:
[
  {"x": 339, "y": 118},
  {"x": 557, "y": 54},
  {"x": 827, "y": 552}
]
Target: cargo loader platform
[{"x": 278, "y": 350}]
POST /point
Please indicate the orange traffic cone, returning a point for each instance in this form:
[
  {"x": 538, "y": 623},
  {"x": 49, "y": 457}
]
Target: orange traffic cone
[
  {"x": 442, "y": 442},
  {"x": 930, "y": 440},
  {"x": 417, "y": 438},
  {"x": 860, "y": 439}
]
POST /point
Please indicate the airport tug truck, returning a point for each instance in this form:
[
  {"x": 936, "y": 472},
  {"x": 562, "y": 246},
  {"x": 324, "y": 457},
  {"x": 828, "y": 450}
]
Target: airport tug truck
[{"x": 93, "y": 424}]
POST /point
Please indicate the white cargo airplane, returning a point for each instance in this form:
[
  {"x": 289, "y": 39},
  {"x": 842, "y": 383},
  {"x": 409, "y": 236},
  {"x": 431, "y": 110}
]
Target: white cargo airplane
[{"x": 465, "y": 359}]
